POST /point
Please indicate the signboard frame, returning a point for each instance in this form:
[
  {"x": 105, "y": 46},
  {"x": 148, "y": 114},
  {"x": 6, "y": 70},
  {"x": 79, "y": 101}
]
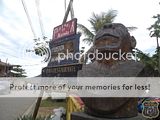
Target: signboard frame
[
  {"x": 65, "y": 30},
  {"x": 74, "y": 39},
  {"x": 61, "y": 71}
]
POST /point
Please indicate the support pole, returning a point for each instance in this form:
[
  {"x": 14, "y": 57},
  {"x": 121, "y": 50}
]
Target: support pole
[
  {"x": 67, "y": 12},
  {"x": 37, "y": 105},
  {"x": 72, "y": 11}
]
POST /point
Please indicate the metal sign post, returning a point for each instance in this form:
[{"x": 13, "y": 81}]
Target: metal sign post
[{"x": 69, "y": 9}]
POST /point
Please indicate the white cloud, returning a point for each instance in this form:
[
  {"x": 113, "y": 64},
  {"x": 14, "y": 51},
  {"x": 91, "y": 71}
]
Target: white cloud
[{"x": 18, "y": 35}]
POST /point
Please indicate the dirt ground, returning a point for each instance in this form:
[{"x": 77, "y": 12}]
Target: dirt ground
[{"x": 45, "y": 111}]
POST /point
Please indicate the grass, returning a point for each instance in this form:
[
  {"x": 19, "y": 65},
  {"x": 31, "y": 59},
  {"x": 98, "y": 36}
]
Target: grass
[
  {"x": 31, "y": 118},
  {"x": 53, "y": 103},
  {"x": 47, "y": 106},
  {"x": 46, "y": 109}
]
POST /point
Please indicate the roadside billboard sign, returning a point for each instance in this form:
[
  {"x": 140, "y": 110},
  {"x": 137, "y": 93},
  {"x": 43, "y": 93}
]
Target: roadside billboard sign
[{"x": 67, "y": 29}]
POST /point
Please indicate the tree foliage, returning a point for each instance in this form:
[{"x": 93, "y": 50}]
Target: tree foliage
[
  {"x": 18, "y": 71},
  {"x": 155, "y": 28},
  {"x": 97, "y": 21},
  {"x": 151, "y": 62},
  {"x": 155, "y": 32}
]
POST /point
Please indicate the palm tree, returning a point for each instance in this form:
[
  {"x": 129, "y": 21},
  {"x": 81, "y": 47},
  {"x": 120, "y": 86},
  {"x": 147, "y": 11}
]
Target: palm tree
[
  {"x": 155, "y": 29},
  {"x": 155, "y": 32},
  {"x": 97, "y": 21}
]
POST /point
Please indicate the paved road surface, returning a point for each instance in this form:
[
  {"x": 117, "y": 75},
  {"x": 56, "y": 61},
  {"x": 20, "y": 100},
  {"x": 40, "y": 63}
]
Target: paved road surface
[{"x": 11, "y": 108}]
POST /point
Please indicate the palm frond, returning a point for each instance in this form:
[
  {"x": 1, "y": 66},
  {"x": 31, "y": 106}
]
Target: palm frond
[
  {"x": 88, "y": 41},
  {"x": 98, "y": 20},
  {"x": 131, "y": 28},
  {"x": 146, "y": 59},
  {"x": 86, "y": 32}
]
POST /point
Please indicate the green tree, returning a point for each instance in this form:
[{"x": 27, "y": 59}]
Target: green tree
[
  {"x": 18, "y": 71},
  {"x": 97, "y": 21},
  {"x": 155, "y": 32},
  {"x": 155, "y": 29},
  {"x": 152, "y": 62}
]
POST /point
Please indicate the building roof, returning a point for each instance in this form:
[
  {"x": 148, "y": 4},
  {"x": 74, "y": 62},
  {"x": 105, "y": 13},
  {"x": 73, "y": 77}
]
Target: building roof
[{"x": 4, "y": 64}]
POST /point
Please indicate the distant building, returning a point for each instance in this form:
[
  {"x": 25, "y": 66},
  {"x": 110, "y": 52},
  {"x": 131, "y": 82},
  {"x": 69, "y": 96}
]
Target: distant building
[{"x": 5, "y": 69}]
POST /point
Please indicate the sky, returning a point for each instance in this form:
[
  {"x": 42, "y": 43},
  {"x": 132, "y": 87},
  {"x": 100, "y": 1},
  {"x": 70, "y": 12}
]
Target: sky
[{"x": 16, "y": 35}]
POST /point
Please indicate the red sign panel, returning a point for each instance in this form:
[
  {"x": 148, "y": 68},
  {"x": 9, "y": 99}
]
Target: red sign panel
[{"x": 64, "y": 30}]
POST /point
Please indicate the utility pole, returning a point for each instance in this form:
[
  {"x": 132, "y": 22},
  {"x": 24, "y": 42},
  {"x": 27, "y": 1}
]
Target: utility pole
[{"x": 6, "y": 70}]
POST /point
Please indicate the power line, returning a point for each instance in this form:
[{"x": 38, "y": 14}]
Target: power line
[
  {"x": 8, "y": 54},
  {"x": 30, "y": 65},
  {"x": 19, "y": 58},
  {"x": 40, "y": 18},
  {"x": 28, "y": 17}
]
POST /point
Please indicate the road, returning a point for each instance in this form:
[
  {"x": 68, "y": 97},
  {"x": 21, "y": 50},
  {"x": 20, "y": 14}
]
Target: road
[{"x": 11, "y": 108}]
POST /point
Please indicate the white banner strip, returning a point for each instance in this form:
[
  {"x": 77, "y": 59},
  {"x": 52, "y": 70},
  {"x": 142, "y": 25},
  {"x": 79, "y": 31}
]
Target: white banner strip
[{"x": 81, "y": 86}]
